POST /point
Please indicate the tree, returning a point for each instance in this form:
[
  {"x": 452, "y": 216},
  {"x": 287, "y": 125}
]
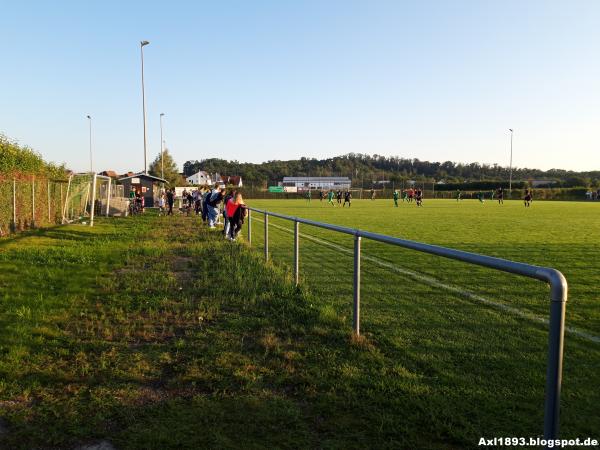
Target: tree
[{"x": 170, "y": 169}]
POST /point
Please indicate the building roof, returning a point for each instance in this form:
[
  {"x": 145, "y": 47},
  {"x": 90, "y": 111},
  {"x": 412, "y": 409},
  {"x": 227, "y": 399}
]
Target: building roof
[
  {"x": 200, "y": 172},
  {"x": 143, "y": 175},
  {"x": 231, "y": 179},
  {"x": 316, "y": 179}
]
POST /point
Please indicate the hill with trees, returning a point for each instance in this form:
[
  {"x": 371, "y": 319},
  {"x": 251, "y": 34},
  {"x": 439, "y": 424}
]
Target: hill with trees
[{"x": 364, "y": 170}]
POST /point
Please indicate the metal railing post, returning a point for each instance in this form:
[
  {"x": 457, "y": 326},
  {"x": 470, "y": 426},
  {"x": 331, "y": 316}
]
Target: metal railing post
[
  {"x": 266, "y": 236},
  {"x": 249, "y": 227},
  {"x": 558, "y": 305},
  {"x": 296, "y": 252},
  {"x": 356, "y": 309}
]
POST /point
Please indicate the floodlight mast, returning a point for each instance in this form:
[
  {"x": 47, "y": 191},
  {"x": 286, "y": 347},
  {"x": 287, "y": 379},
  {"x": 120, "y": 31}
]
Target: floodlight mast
[
  {"x": 511, "y": 157},
  {"x": 162, "y": 165},
  {"x": 91, "y": 160},
  {"x": 142, "y": 44}
]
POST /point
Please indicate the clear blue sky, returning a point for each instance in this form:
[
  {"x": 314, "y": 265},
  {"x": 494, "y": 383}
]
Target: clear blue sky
[{"x": 260, "y": 80}]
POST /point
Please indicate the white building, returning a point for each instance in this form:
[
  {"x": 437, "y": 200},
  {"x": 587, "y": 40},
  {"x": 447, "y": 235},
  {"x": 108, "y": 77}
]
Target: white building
[
  {"x": 306, "y": 183},
  {"x": 200, "y": 178}
]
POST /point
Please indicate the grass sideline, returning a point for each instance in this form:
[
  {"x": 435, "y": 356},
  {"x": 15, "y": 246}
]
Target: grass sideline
[{"x": 154, "y": 333}]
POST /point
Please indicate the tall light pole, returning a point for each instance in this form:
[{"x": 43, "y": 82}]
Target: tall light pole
[
  {"x": 91, "y": 161},
  {"x": 162, "y": 166},
  {"x": 510, "y": 166},
  {"x": 142, "y": 44}
]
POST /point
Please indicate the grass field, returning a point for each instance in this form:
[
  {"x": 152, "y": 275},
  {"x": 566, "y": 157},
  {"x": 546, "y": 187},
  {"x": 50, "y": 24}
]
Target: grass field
[
  {"x": 152, "y": 332},
  {"x": 476, "y": 348}
]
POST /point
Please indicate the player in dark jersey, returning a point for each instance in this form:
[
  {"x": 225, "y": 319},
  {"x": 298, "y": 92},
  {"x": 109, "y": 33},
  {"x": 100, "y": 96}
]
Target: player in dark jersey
[
  {"x": 419, "y": 197},
  {"x": 321, "y": 195},
  {"x": 339, "y": 197},
  {"x": 528, "y": 198},
  {"x": 347, "y": 199},
  {"x": 500, "y": 195}
]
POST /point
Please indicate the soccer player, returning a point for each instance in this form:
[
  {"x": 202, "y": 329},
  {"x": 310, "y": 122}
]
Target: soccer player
[
  {"x": 339, "y": 197},
  {"x": 500, "y": 195},
  {"x": 347, "y": 199},
  {"x": 372, "y": 194},
  {"x": 321, "y": 195},
  {"x": 458, "y": 195},
  {"x": 528, "y": 198},
  {"x": 396, "y": 195},
  {"x": 419, "y": 197},
  {"x": 308, "y": 196},
  {"x": 330, "y": 198},
  {"x": 481, "y": 197},
  {"x": 411, "y": 195}
]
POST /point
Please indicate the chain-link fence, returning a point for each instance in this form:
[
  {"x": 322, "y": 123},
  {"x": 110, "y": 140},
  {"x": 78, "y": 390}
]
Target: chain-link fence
[{"x": 32, "y": 202}]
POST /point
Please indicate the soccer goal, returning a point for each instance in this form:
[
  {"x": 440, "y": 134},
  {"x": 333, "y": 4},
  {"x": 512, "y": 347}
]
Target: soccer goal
[{"x": 88, "y": 195}]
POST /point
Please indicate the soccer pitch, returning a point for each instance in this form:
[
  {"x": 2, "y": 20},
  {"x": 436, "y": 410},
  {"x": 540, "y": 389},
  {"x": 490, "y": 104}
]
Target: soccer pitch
[{"x": 476, "y": 335}]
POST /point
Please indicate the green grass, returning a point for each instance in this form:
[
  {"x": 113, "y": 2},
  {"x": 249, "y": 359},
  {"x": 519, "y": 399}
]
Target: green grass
[
  {"x": 479, "y": 351},
  {"x": 152, "y": 332}
]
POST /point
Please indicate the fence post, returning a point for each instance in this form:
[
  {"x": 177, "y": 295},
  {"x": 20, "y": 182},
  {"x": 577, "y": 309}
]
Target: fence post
[
  {"x": 266, "y": 236},
  {"x": 93, "y": 200},
  {"x": 48, "y": 202},
  {"x": 556, "y": 334},
  {"x": 33, "y": 202},
  {"x": 108, "y": 196},
  {"x": 356, "y": 312},
  {"x": 249, "y": 227},
  {"x": 61, "y": 203},
  {"x": 13, "y": 225},
  {"x": 296, "y": 251}
]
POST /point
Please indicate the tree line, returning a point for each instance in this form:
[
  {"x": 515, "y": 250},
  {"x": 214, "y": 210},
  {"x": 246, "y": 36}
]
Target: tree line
[{"x": 365, "y": 170}]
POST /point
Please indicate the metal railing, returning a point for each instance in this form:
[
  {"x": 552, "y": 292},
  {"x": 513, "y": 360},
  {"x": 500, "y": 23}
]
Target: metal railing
[{"x": 556, "y": 280}]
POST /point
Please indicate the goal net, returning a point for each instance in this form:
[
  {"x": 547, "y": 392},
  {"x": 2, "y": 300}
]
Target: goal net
[{"x": 88, "y": 195}]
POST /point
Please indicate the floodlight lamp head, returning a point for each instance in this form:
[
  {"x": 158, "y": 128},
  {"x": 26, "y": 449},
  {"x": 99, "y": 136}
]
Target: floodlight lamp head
[
  {"x": 510, "y": 129},
  {"x": 142, "y": 43},
  {"x": 89, "y": 117}
]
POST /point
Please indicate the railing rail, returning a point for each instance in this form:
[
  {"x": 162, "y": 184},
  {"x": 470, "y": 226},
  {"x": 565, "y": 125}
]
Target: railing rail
[{"x": 556, "y": 280}]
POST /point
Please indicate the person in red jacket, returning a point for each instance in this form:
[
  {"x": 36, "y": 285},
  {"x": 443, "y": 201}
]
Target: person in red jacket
[{"x": 236, "y": 211}]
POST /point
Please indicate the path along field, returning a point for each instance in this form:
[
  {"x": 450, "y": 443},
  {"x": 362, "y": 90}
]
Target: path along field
[{"x": 152, "y": 332}]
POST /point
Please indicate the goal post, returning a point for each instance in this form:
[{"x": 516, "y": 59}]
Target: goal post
[{"x": 88, "y": 195}]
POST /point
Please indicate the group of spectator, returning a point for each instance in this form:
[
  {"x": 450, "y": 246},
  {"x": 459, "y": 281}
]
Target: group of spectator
[
  {"x": 592, "y": 195},
  {"x": 210, "y": 204}
]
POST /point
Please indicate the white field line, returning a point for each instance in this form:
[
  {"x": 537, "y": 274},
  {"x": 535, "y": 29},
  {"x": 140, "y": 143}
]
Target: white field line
[{"x": 448, "y": 287}]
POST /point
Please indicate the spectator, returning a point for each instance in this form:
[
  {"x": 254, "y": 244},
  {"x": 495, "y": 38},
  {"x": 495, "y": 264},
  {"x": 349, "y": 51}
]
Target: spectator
[
  {"x": 170, "y": 201},
  {"x": 215, "y": 198},
  {"x": 237, "y": 212},
  {"x": 161, "y": 204},
  {"x": 230, "y": 196},
  {"x": 205, "y": 197}
]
